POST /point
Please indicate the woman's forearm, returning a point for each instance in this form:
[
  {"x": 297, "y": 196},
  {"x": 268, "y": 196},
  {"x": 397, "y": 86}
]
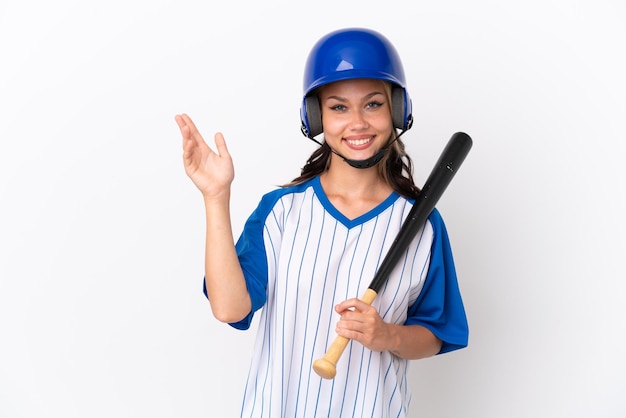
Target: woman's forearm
[
  {"x": 413, "y": 342},
  {"x": 225, "y": 283}
]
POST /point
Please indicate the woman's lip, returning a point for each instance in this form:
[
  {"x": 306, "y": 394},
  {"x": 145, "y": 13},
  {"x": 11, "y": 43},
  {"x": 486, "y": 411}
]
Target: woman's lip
[{"x": 359, "y": 142}]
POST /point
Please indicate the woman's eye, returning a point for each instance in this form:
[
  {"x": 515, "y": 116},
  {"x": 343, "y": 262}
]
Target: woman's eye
[
  {"x": 373, "y": 105},
  {"x": 338, "y": 107}
]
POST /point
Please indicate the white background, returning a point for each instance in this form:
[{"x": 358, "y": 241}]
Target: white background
[{"x": 101, "y": 232}]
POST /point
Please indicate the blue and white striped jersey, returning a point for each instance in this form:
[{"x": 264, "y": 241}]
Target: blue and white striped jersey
[{"x": 300, "y": 257}]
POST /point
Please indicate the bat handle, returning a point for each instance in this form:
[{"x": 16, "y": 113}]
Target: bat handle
[{"x": 326, "y": 367}]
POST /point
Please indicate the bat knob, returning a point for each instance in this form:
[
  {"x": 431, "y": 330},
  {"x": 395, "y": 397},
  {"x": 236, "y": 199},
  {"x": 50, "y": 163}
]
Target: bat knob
[{"x": 324, "y": 368}]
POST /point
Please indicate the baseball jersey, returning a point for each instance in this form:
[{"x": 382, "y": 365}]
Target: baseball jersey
[{"x": 300, "y": 257}]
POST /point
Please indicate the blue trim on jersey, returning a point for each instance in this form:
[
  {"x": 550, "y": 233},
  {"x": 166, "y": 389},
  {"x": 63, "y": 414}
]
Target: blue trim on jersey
[
  {"x": 350, "y": 223},
  {"x": 439, "y": 306}
]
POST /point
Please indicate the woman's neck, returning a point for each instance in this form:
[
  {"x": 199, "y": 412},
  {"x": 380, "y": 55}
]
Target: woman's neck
[{"x": 354, "y": 191}]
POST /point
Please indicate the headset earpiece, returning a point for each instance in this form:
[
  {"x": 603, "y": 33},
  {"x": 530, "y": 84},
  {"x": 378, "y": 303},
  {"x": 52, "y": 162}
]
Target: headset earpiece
[
  {"x": 312, "y": 116},
  {"x": 400, "y": 109}
]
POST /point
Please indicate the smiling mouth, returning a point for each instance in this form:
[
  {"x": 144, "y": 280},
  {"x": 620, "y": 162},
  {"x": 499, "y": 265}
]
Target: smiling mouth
[{"x": 358, "y": 142}]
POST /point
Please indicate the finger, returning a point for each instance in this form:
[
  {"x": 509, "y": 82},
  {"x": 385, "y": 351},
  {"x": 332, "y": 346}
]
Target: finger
[
  {"x": 220, "y": 145},
  {"x": 182, "y": 125},
  {"x": 350, "y": 318},
  {"x": 185, "y": 131},
  {"x": 192, "y": 140},
  {"x": 187, "y": 120},
  {"x": 348, "y": 333},
  {"x": 193, "y": 132},
  {"x": 352, "y": 304},
  {"x": 179, "y": 120}
]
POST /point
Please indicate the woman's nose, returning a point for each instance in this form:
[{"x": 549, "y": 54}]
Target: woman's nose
[{"x": 358, "y": 120}]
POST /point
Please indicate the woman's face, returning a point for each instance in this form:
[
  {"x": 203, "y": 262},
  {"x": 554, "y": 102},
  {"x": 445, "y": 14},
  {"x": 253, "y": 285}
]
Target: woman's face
[{"x": 356, "y": 117}]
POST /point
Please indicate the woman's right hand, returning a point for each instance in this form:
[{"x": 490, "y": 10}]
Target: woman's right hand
[{"x": 211, "y": 172}]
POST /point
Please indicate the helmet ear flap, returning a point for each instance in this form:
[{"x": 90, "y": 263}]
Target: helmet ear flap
[
  {"x": 401, "y": 116},
  {"x": 313, "y": 115}
]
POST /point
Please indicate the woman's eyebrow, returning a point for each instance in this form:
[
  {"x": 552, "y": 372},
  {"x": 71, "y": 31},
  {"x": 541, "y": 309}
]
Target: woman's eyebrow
[{"x": 367, "y": 96}]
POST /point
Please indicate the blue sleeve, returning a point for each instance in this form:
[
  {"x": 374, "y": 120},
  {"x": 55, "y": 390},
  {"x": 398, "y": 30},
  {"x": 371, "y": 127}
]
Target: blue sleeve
[
  {"x": 253, "y": 260},
  {"x": 439, "y": 306}
]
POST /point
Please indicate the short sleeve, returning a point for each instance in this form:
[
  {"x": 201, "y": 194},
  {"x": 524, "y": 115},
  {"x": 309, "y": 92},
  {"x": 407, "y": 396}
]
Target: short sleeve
[{"x": 439, "y": 307}]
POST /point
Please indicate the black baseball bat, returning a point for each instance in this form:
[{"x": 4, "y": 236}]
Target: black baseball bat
[{"x": 437, "y": 182}]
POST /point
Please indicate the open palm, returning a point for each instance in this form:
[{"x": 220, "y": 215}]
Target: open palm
[{"x": 212, "y": 172}]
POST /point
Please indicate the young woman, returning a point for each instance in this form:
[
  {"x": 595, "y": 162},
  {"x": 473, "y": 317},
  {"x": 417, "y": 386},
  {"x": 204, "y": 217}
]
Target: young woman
[{"x": 312, "y": 247}]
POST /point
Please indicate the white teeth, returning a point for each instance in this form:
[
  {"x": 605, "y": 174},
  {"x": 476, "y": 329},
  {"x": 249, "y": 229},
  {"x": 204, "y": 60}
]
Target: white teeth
[{"x": 359, "y": 141}]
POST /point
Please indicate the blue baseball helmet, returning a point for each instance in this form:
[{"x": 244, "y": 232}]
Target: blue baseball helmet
[{"x": 348, "y": 54}]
